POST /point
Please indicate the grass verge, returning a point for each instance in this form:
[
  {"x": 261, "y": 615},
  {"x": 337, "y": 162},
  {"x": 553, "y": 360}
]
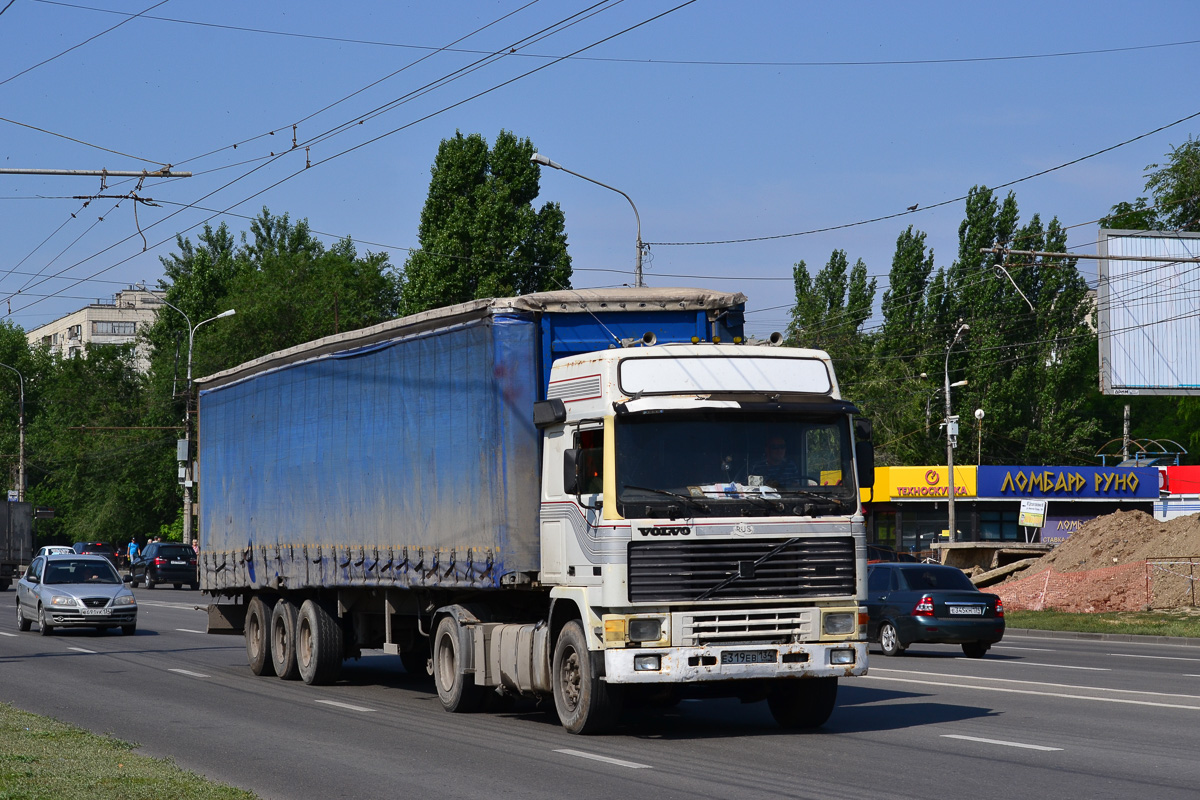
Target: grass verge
[
  {"x": 1185, "y": 623},
  {"x": 45, "y": 758}
]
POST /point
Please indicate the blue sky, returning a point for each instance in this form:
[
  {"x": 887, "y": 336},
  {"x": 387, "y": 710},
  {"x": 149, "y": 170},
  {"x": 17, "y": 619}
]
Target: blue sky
[{"x": 721, "y": 120}]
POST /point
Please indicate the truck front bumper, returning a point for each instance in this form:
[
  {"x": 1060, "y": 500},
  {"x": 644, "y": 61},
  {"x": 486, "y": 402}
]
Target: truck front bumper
[{"x": 734, "y": 662}]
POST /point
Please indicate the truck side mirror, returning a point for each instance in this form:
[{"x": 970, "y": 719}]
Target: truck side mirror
[
  {"x": 864, "y": 455},
  {"x": 571, "y": 459},
  {"x": 549, "y": 412}
]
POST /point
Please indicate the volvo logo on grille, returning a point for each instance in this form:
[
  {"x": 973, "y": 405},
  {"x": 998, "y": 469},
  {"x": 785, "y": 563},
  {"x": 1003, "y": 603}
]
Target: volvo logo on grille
[{"x": 676, "y": 530}]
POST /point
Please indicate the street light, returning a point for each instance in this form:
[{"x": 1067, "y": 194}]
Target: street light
[
  {"x": 187, "y": 416},
  {"x": 538, "y": 158},
  {"x": 951, "y": 432},
  {"x": 21, "y": 435},
  {"x": 933, "y": 394},
  {"x": 979, "y": 425}
]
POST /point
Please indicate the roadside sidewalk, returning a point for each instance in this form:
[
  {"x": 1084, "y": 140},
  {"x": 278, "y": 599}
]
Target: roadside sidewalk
[{"x": 1103, "y": 637}]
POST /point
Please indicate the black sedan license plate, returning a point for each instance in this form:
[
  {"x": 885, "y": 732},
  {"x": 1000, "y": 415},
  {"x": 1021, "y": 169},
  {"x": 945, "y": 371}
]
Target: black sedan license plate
[
  {"x": 748, "y": 657},
  {"x": 976, "y": 611}
]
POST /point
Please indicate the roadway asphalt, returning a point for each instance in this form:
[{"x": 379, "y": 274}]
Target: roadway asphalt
[{"x": 1039, "y": 716}]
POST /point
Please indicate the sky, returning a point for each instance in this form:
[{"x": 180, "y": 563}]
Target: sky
[{"x": 751, "y": 124}]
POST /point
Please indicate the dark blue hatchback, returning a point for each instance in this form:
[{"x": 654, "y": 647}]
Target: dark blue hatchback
[{"x": 932, "y": 603}]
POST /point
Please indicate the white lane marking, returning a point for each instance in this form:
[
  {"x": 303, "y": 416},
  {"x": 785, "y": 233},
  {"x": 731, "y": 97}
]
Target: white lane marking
[
  {"x": 187, "y": 630},
  {"x": 3, "y": 633},
  {"x": 184, "y": 606},
  {"x": 1040, "y": 694},
  {"x": 1057, "y": 666},
  {"x": 82, "y": 650},
  {"x": 1163, "y": 658},
  {"x": 1034, "y": 649},
  {"x": 1038, "y": 683},
  {"x": 999, "y": 742},
  {"x": 189, "y": 673},
  {"x": 1191, "y": 676},
  {"x": 345, "y": 706},
  {"x": 616, "y": 761}
]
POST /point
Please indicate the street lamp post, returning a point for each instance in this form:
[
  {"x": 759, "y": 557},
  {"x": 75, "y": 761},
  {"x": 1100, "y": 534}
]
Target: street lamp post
[
  {"x": 187, "y": 416},
  {"x": 538, "y": 158},
  {"x": 20, "y": 434},
  {"x": 187, "y": 429},
  {"x": 951, "y": 435}
]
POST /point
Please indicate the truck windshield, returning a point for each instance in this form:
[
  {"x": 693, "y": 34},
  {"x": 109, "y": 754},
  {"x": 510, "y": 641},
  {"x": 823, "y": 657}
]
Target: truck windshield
[{"x": 715, "y": 463}]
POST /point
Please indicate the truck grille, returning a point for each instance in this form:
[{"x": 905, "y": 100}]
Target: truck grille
[
  {"x": 684, "y": 571},
  {"x": 760, "y": 626}
]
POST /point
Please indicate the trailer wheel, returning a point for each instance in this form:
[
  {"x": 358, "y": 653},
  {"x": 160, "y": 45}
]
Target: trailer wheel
[
  {"x": 283, "y": 639},
  {"x": 318, "y": 645},
  {"x": 585, "y": 703},
  {"x": 802, "y": 703},
  {"x": 257, "y": 630},
  {"x": 456, "y": 689}
]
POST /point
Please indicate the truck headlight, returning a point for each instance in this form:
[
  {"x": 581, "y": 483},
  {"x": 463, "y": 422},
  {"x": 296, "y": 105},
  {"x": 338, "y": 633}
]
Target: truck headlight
[
  {"x": 840, "y": 623},
  {"x": 649, "y": 663},
  {"x": 841, "y": 657},
  {"x": 645, "y": 629}
]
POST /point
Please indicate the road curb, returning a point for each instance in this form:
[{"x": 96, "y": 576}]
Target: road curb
[{"x": 1181, "y": 641}]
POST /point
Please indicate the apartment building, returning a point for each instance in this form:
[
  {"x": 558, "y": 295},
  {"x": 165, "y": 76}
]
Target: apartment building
[{"x": 116, "y": 322}]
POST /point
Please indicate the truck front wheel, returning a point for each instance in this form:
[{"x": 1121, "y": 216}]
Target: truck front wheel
[
  {"x": 283, "y": 640},
  {"x": 257, "y": 630},
  {"x": 584, "y": 701},
  {"x": 456, "y": 689},
  {"x": 802, "y": 703}
]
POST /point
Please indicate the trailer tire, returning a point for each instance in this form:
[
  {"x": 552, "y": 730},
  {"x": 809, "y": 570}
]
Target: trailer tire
[
  {"x": 585, "y": 702},
  {"x": 456, "y": 689},
  {"x": 257, "y": 630},
  {"x": 283, "y": 639},
  {"x": 318, "y": 645},
  {"x": 802, "y": 703}
]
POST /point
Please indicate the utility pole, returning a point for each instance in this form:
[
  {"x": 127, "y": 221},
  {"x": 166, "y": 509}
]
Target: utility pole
[{"x": 951, "y": 436}]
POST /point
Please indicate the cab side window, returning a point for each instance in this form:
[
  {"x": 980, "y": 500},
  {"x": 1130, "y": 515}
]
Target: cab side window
[{"x": 591, "y": 470}]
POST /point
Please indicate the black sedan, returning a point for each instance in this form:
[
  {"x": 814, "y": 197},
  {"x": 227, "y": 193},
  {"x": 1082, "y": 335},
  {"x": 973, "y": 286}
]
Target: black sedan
[
  {"x": 97, "y": 549},
  {"x": 931, "y": 603},
  {"x": 165, "y": 562}
]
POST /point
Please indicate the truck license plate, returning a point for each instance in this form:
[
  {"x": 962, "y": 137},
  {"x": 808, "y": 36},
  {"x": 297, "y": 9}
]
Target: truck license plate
[
  {"x": 748, "y": 657},
  {"x": 95, "y": 612},
  {"x": 975, "y": 610}
]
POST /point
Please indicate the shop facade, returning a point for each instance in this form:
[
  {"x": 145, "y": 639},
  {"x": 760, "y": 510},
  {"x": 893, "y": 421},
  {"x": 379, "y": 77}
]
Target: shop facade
[{"x": 907, "y": 510}]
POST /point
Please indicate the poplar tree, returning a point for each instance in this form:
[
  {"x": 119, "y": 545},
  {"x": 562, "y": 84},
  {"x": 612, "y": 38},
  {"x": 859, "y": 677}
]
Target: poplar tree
[{"x": 480, "y": 234}]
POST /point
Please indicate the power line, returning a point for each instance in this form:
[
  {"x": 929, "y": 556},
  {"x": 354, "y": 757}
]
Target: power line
[
  {"x": 934, "y": 205},
  {"x": 81, "y": 44},
  {"x": 652, "y": 61}
]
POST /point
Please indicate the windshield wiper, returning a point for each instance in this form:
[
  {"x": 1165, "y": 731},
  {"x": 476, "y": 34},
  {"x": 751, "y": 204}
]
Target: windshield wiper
[
  {"x": 747, "y": 573},
  {"x": 824, "y": 498},
  {"x": 687, "y": 498}
]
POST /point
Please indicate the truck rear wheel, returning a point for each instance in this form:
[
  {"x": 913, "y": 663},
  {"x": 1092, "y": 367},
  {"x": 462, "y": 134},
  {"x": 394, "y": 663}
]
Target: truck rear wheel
[
  {"x": 257, "y": 630},
  {"x": 283, "y": 639},
  {"x": 802, "y": 703},
  {"x": 456, "y": 689},
  {"x": 585, "y": 703},
  {"x": 318, "y": 645}
]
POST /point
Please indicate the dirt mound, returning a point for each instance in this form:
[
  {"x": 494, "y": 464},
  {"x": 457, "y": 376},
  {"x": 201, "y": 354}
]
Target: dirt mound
[
  {"x": 1102, "y": 567},
  {"x": 1123, "y": 537}
]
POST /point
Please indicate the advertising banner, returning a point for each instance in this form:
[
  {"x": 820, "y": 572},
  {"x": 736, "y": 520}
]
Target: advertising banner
[
  {"x": 1104, "y": 483},
  {"x": 1058, "y": 529}
]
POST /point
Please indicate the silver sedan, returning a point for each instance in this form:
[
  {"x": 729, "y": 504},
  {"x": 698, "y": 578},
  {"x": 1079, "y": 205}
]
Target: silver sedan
[{"x": 74, "y": 591}]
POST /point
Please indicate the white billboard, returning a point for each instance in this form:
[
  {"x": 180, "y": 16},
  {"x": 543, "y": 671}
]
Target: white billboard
[{"x": 1148, "y": 312}]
